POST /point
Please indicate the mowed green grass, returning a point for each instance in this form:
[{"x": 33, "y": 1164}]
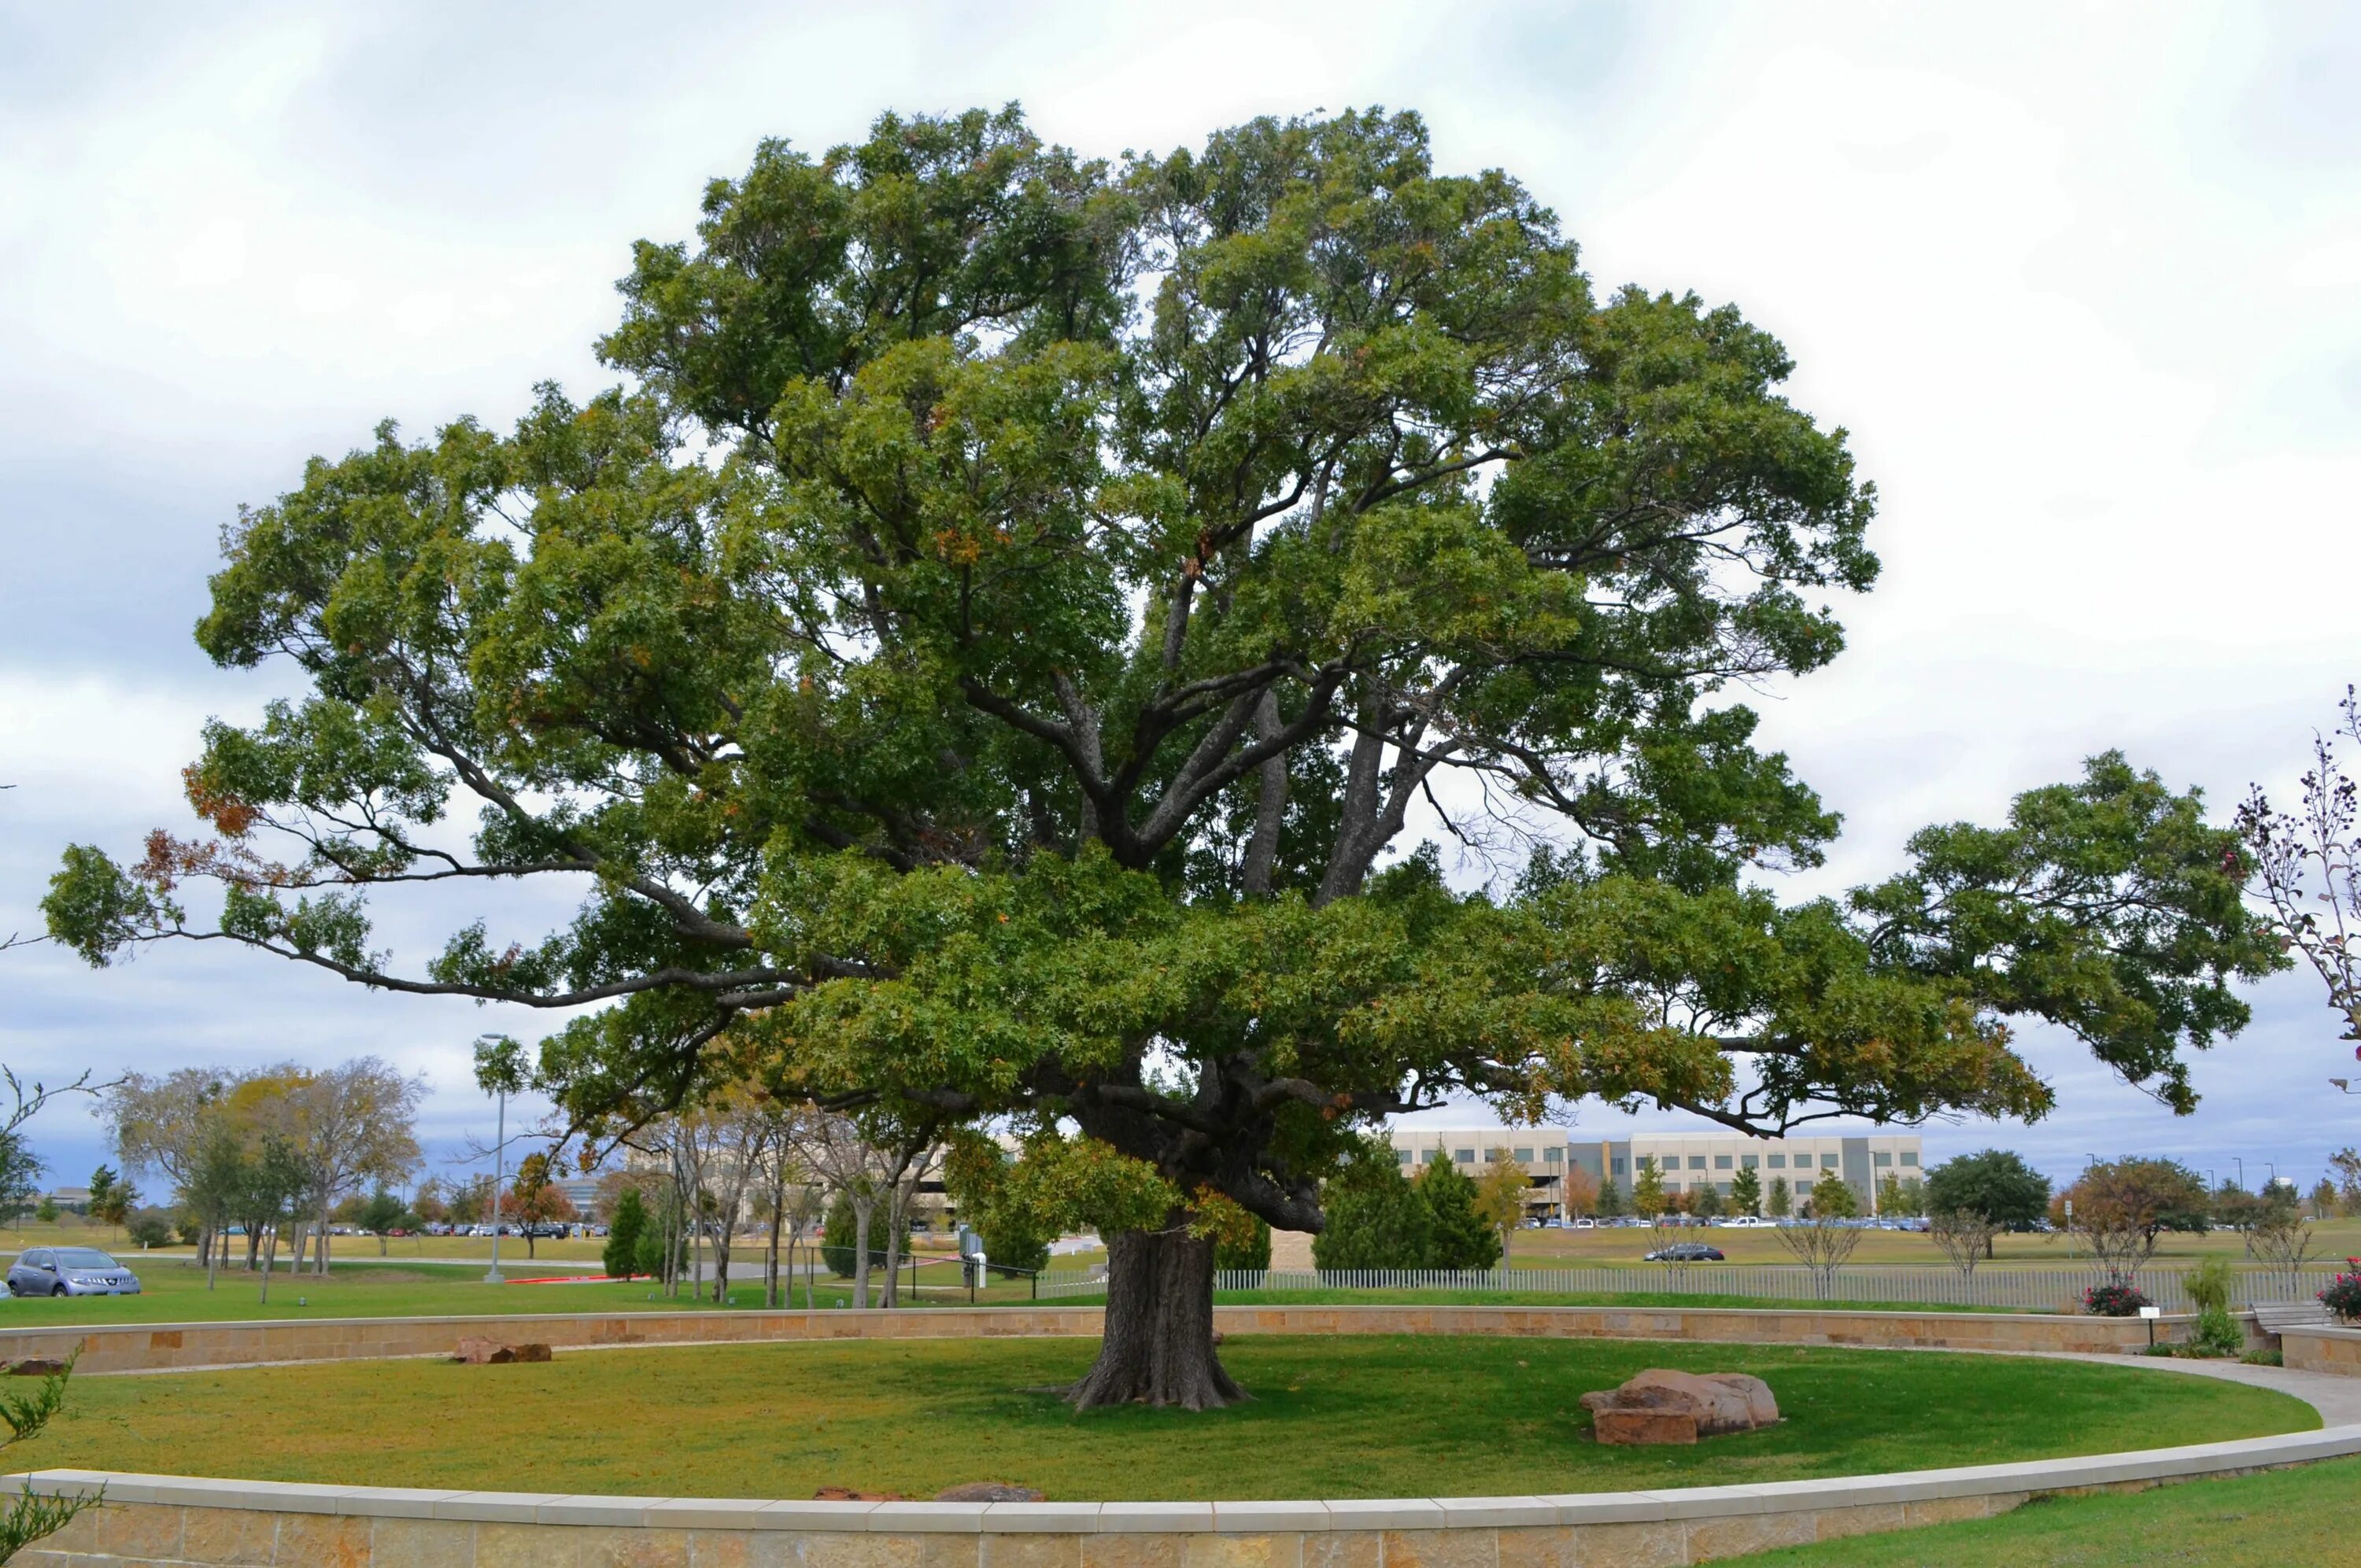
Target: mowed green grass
[
  {"x": 2306, "y": 1517},
  {"x": 174, "y": 1291},
  {"x": 1331, "y": 1416}
]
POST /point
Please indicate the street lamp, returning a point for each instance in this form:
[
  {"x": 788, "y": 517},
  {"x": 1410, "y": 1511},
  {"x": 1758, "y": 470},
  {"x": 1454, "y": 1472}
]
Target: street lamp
[{"x": 499, "y": 1073}]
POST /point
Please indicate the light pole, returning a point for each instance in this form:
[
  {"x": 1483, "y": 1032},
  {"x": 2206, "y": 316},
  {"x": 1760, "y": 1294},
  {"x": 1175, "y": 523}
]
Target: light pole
[
  {"x": 2242, "y": 1172},
  {"x": 499, "y": 1073}
]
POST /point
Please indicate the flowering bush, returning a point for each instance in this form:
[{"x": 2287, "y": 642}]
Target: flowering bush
[
  {"x": 2343, "y": 1295},
  {"x": 2114, "y": 1301}
]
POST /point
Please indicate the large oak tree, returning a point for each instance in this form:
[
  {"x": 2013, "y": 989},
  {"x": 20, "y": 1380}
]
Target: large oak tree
[{"x": 984, "y": 658}]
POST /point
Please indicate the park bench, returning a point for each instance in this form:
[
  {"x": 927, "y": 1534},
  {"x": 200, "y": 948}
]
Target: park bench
[{"x": 2273, "y": 1316}]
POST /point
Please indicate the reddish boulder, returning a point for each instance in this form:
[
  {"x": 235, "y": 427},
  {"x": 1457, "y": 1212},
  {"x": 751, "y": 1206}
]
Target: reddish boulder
[{"x": 1709, "y": 1405}]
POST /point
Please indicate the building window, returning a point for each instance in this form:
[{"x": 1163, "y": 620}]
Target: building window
[
  {"x": 1778, "y": 1162},
  {"x": 1697, "y": 1162},
  {"x": 1464, "y": 1157},
  {"x": 1882, "y": 1157},
  {"x": 1828, "y": 1162},
  {"x": 1406, "y": 1155},
  {"x": 1724, "y": 1188},
  {"x": 1721, "y": 1162},
  {"x": 1750, "y": 1160},
  {"x": 1524, "y": 1156},
  {"x": 1618, "y": 1165},
  {"x": 1553, "y": 1156},
  {"x": 1909, "y": 1156}
]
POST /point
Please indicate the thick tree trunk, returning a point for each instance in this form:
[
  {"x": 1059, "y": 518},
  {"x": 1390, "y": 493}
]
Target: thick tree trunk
[{"x": 1159, "y": 1347}]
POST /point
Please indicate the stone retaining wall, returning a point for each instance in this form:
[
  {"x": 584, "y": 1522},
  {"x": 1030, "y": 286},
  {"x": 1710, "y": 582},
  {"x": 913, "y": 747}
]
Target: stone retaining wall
[
  {"x": 152, "y": 1347},
  {"x": 2322, "y": 1350},
  {"x": 170, "y": 1522}
]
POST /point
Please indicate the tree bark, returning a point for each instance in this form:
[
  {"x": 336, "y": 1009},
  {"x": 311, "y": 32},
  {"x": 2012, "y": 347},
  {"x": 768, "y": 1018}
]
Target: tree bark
[
  {"x": 861, "y": 1208},
  {"x": 1159, "y": 1344}
]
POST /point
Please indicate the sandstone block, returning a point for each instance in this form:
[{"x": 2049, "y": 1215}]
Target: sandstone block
[
  {"x": 478, "y": 1351},
  {"x": 1640, "y": 1426}
]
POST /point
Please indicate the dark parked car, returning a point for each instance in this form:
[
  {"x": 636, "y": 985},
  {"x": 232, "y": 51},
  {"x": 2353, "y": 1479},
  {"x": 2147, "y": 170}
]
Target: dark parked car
[
  {"x": 1685, "y": 1252},
  {"x": 70, "y": 1271}
]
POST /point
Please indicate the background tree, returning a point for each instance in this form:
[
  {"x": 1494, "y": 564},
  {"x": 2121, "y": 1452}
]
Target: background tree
[
  {"x": 2323, "y": 1199},
  {"x": 1578, "y": 1190},
  {"x": 46, "y": 1211},
  {"x": 102, "y": 1195},
  {"x": 2281, "y": 1243},
  {"x": 1832, "y": 1197},
  {"x": 1376, "y": 1218},
  {"x": 1463, "y": 1236},
  {"x": 1889, "y": 1195},
  {"x": 1965, "y": 1237},
  {"x": 2307, "y": 865},
  {"x": 1780, "y": 1202},
  {"x": 1746, "y": 1191},
  {"x": 2345, "y": 1164},
  {"x": 620, "y": 1256},
  {"x": 148, "y": 1228},
  {"x": 2122, "y": 1206},
  {"x": 1648, "y": 1189},
  {"x": 980, "y": 658},
  {"x": 382, "y": 1213},
  {"x": 533, "y": 1200},
  {"x": 1996, "y": 1183},
  {"x": 1823, "y": 1242},
  {"x": 1610, "y": 1200},
  {"x": 1500, "y": 1195},
  {"x": 1707, "y": 1202}
]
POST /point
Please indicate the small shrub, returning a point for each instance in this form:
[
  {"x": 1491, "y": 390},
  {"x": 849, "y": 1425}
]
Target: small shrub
[
  {"x": 149, "y": 1227},
  {"x": 2217, "y": 1333},
  {"x": 2115, "y": 1300},
  {"x": 2263, "y": 1359},
  {"x": 2343, "y": 1295}
]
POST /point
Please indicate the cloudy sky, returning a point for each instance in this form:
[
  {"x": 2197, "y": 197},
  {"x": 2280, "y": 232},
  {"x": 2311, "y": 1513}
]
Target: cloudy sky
[{"x": 2083, "y": 282}]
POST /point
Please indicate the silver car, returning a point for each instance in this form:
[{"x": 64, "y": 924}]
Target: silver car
[{"x": 70, "y": 1271}]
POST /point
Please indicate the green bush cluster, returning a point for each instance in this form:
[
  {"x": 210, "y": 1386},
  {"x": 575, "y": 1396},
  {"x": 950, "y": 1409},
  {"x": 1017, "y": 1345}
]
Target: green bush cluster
[{"x": 1378, "y": 1218}]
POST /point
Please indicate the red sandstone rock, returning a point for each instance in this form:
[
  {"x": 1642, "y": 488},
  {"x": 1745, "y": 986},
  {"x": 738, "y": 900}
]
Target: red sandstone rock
[
  {"x": 477, "y": 1351},
  {"x": 1718, "y": 1403},
  {"x": 1644, "y": 1426}
]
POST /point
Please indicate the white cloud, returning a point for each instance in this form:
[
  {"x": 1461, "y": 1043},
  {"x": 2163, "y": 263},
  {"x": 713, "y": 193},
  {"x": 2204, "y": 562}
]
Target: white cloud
[{"x": 2080, "y": 281}]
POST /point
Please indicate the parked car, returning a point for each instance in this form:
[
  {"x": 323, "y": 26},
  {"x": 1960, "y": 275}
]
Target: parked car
[
  {"x": 1585, "y": 1224},
  {"x": 70, "y": 1271},
  {"x": 1685, "y": 1252},
  {"x": 1745, "y": 1222}
]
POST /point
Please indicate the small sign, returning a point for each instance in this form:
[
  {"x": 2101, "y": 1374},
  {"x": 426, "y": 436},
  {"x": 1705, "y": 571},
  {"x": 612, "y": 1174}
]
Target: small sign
[{"x": 2151, "y": 1311}]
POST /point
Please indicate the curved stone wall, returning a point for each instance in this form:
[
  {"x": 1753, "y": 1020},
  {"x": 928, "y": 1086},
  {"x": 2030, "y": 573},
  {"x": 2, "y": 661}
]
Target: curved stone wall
[
  {"x": 171, "y": 1522},
  {"x": 149, "y": 1522}
]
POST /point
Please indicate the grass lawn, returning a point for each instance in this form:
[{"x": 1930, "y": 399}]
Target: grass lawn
[
  {"x": 1568, "y": 1299},
  {"x": 173, "y": 1290},
  {"x": 2309, "y": 1516},
  {"x": 1374, "y": 1416},
  {"x": 2333, "y": 1239}
]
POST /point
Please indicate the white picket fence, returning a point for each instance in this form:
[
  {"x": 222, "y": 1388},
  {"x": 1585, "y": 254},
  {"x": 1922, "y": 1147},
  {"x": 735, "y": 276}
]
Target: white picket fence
[{"x": 2053, "y": 1289}]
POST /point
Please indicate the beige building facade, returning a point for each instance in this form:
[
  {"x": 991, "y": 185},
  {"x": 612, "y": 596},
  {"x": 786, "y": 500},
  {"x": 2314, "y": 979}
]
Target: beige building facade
[{"x": 1690, "y": 1162}]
